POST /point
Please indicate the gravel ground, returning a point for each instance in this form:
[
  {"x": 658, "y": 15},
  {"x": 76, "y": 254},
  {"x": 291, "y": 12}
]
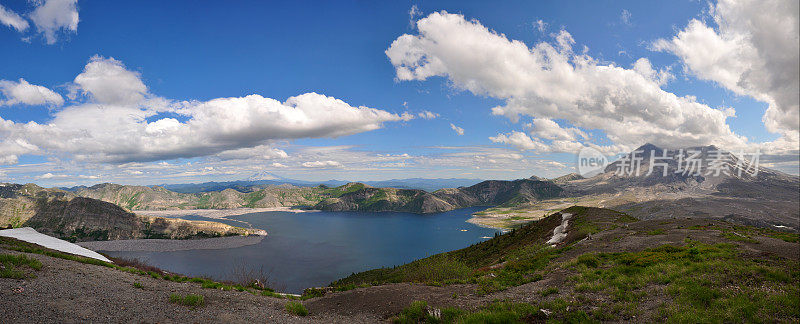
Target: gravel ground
[
  {"x": 161, "y": 245},
  {"x": 70, "y": 292}
]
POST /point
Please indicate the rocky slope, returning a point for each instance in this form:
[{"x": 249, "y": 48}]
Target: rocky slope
[
  {"x": 159, "y": 198},
  {"x": 767, "y": 198},
  {"x": 349, "y": 197},
  {"x": 384, "y": 199},
  {"x": 488, "y": 193},
  {"x": 609, "y": 267},
  {"x": 62, "y": 214}
]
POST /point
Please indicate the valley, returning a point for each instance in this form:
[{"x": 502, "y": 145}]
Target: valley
[
  {"x": 610, "y": 267},
  {"x": 631, "y": 248},
  {"x": 768, "y": 200}
]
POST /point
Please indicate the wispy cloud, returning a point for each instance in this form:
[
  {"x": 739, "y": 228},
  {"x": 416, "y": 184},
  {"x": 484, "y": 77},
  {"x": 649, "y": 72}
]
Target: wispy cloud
[{"x": 458, "y": 130}]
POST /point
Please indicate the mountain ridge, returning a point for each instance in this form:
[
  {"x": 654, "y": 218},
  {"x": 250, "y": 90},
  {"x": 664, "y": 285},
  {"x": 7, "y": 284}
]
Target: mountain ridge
[{"x": 65, "y": 215}]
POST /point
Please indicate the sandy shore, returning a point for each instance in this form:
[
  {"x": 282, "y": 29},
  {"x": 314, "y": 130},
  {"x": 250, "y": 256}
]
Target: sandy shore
[
  {"x": 161, "y": 245},
  {"x": 214, "y": 213}
]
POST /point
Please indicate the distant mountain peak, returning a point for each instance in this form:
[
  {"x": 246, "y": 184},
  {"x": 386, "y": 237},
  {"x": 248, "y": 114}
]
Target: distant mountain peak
[
  {"x": 701, "y": 163},
  {"x": 264, "y": 175},
  {"x": 647, "y": 147}
]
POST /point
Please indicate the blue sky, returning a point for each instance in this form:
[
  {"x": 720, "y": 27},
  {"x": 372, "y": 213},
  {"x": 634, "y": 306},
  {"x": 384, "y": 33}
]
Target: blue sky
[{"x": 188, "y": 53}]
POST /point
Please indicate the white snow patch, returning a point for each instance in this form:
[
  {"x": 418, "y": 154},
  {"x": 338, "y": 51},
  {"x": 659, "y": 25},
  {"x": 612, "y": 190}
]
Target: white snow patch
[
  {"x": 560, "y": 232},
  {"x": 30, "y": 235}
]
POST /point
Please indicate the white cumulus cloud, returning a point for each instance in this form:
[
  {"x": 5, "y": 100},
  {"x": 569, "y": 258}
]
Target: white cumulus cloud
[
  {"x": 753, "y": 50},
  {"x": 551, "y": 81},
  {"x": 122, "y": 122},
  {"x": 22, "y": 92},
  {"x": 107, "y": 81},
  {"x": 53, "y": 16},
  {"x": 548, "y": 129}
]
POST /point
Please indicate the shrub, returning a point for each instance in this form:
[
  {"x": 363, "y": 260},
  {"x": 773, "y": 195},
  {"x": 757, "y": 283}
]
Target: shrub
[
  {"x": 313, "y": 292},
  {"x": 417, "y": 312},
  {"x": 296, "y": 308},
  {"x": 190, "y": 300},
  {"x": 247, "y": 275}
]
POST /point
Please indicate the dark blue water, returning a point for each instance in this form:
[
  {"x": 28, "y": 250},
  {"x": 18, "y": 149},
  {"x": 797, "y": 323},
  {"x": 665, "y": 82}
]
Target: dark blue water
[{"x": 313, "y": 249}]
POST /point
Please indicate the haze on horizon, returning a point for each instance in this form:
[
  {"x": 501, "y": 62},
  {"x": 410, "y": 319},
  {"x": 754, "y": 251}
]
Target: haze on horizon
[{"x": 151, "y": 92}]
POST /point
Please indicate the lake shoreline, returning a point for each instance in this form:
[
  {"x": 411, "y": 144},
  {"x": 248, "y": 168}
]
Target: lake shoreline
[
  {"x": 486, "y": 221},
  {"x": 216, "y": 213},
  {"x": 308, "y": 249},
  {"x": 167, "y": 245}
]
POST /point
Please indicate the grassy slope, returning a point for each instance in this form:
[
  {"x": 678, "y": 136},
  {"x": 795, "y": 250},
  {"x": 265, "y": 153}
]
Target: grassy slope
[
  {"x": 521, "y": 251},
  {"x": 688, "y": 282}
]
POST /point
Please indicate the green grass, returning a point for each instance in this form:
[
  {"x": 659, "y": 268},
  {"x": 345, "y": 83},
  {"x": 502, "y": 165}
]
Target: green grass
[
  {"x": 253, "y": 197},
  {"x": 733, "y": 236},
  {"x": 521, "y": 264},
  {"x": 190, "y": 300},
  {"x": 695, "y": 283},
  {"x": 496, "y": 312},
  {"x": 375, "y": 199},
  {"x": 12, "y": 265},
  {"x": 707, "y": 283},
  {"x": 750, "y": 231},
  {"x": 133, "y": 201},
  {"x": 343, "y": 189},
  {"x": 296, "y": 308},
  {"x": 418, "y": 312},
  {"x": 309, "y": 293},
  {"x": 20, "y": 246},
  {"x": 507, "y": 260},
  {"x": 137, "y": 285},
  {"x": 604, "y": 219},
  {"x": 548, "y": 291}
]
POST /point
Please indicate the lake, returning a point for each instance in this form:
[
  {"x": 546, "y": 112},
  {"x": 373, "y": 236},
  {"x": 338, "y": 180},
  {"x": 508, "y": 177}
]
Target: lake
[{"x": 312, "y": 249}]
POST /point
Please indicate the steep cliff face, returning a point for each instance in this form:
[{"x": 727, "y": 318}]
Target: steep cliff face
[
  {"x": 61, "y": 214},
  {"x": 18, "y": 202},
  {"x": 84, "y": 219}
]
